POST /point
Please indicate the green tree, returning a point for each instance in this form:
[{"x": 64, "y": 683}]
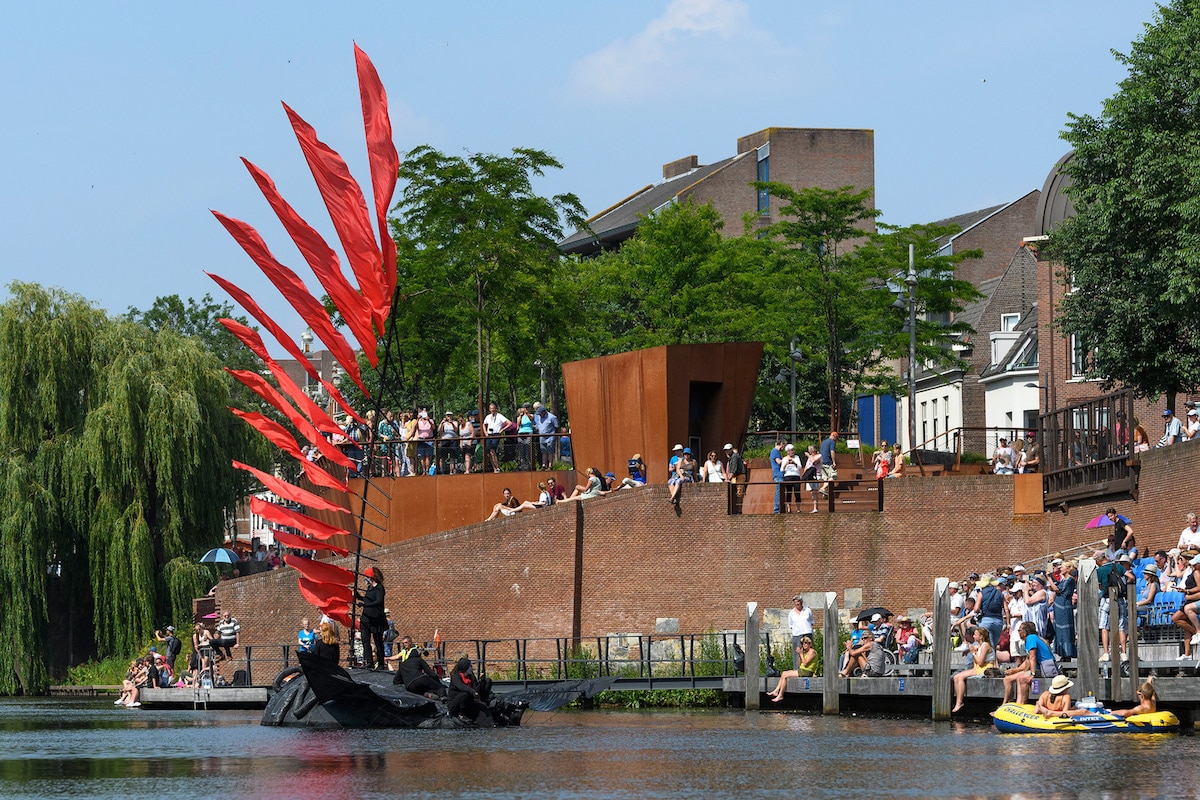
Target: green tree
[
  {"x": 1131, "y": 252},
  {"x": 115, "y": 449},
  {"x": 832, "y": 282},
  {"x": 478, "y": 263}
]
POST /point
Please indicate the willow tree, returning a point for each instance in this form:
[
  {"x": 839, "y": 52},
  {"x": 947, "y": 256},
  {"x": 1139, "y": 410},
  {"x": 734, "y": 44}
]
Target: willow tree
[{"x": 115, "y": 449}]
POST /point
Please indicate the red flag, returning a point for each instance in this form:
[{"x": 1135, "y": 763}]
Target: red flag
[
  {"x": 385, "y": 162},
  {"x": 304, "y": 543},
  {"x": 290, "y": 492},
  {"x": 247, "y": 302},
  {"x": 324, "y": 595},
  {"x": 277, "y": 435},
  {"x": 340, "y": 615},
  {"x": 324, "y": 264},
  {"x": 294, "y": 519},
  {"x": 319, "y": 417},
  {"x": 292, "y": 288},
  {"x": 319, "y": 571},
  {"x": 348, "y": 212}
]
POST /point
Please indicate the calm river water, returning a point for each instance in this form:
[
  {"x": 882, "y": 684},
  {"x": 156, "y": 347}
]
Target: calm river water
[{"x": 54, "y": 748}]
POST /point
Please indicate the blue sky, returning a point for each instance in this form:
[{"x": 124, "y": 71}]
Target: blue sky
[{"x": 124, "y": 122}]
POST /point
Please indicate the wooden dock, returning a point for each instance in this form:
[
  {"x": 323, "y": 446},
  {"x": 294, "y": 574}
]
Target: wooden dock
[{"x": 203, "y": 699}]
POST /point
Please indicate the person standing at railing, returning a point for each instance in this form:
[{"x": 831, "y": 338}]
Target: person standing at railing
[
  {"x": 898, "y": 460},
  {"x": 829, "y": 461},
  {"x": 425, "y": 435},
  {"x": 525, "y": 438},
  {"x": 776, "y": 473},
  {"x": 1033, "y": 454},
  {"x": 493, "y": 425},
  {"x": 448, "y": 456},
  {"x": 812, "y": 469},
  {"x": 466, "y": 433},
  {"x": 546, "y": 424}
]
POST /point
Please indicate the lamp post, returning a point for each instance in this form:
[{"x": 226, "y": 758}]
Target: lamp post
[
  {"x": 795, "y": 355},
  {"x": 911, "y": 281}
]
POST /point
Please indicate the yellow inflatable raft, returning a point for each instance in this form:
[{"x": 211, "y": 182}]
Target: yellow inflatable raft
[{"x": 1014, "y": 718}]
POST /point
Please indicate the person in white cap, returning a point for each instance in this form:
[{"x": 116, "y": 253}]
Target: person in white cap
[{"x": 1192, "y": 429}]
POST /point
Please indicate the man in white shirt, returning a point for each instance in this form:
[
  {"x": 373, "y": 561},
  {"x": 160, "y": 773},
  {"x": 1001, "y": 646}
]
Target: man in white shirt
[
  {"x": 493, "y": 424},
  {"x": 800, "y": 623},
  {"x": 1189, "y": 537}
]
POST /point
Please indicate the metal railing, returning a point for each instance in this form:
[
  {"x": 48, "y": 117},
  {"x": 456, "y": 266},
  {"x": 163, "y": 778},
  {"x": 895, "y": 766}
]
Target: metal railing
[
  {"x": 837, "y": 495},
  {"x": 448, "y": 456}
]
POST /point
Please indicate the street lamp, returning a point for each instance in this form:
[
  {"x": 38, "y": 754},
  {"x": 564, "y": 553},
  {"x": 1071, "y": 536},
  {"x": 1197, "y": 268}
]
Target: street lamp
[
  {"x": 911, "y": 281},
  {"x": 795, "y": 354}
]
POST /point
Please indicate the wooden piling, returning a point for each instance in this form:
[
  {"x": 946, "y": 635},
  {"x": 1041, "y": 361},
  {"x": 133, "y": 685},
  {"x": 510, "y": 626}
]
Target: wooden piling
[
  {"x": 1116, "y": 687},
  {"x": 753, "y": 680},
  {"x": 831, "y": 695},
  {"x": 941, "y": 649},
  {"x": 1087, "y": 628},
  {"x": 1132, "y": 647}
]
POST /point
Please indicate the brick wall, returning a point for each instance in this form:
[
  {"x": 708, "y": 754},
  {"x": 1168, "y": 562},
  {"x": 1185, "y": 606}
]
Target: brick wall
[
  {"x": 998, "y": 237},
  {"x": 515, "y": 577}
]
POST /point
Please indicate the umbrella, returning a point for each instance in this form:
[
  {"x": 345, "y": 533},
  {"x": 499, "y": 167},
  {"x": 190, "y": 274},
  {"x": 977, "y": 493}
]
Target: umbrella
[
  {"x": 220, "y": 555},
  {"x": 867, "y": 613},
  {"x": 1103, "y": 520}
]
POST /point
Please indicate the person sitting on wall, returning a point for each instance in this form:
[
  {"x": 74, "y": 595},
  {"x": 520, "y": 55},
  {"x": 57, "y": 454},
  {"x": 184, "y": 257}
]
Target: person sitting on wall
[
  {"x": 637, "y": 473},
  {"x": 867, "y": 656},
  {"x": 508, "y": 506},
  {"x": 806, "y": 667},
  {"x": 585, "y": 491},
  {"x": 555, "y": 489}
]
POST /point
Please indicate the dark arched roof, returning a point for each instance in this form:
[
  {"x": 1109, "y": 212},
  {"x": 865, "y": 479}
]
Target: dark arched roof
[{"x": 1054, "y": 206}]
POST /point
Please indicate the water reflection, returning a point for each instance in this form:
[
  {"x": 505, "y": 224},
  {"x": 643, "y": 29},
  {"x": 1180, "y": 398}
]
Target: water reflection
[{"x": 58, "y": 749}]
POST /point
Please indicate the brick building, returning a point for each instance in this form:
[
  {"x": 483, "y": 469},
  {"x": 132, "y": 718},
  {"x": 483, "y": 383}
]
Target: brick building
[
  {"x": 800, "y": 157},
  {"x": 1061, "y": 361}
]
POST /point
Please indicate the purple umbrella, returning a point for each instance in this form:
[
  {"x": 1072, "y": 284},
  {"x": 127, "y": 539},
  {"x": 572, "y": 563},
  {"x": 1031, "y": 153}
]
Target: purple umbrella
[{"x": 1103, "y": 520}]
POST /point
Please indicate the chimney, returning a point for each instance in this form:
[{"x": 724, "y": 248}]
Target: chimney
[{"x": 679, "y": 166}]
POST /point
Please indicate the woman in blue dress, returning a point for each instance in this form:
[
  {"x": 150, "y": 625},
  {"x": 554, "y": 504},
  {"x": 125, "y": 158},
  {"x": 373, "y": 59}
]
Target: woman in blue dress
[{"x": 1064, "y": 613}]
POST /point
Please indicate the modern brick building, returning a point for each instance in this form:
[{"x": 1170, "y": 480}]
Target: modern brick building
[{"x": 801, "y": 157}]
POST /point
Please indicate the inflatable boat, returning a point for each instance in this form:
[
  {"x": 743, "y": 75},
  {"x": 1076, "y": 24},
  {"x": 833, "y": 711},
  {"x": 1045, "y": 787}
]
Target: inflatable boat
[{"x": 1014, "y": 718}]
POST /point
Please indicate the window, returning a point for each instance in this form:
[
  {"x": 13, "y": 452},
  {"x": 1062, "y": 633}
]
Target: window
[
  {"x": 764, "y": 175},
  {"x": 1081, "y": 358},
  {"x": 1008, "y": 322},
  {"x": 935, "y": 417},
  {"x": 924, "y": 423},
  {"x": 946, "y": 411}
]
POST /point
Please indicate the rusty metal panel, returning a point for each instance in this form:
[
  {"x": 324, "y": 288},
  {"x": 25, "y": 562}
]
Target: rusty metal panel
[{"x": 638, "y": 402}]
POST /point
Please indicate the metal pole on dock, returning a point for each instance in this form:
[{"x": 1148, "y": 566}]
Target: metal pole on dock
[
  {"x": 831, "y": 695},
  {"x": 753, "y": 681},
  {"x": 1086, "y": 631},
  {"x": 941, "y": 649},
  {"x": 1116, "y": 687},
  {"x": 1131, "y": 599}
]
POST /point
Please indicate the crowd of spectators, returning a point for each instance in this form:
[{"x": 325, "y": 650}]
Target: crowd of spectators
[{"x": 414, "y": 442}]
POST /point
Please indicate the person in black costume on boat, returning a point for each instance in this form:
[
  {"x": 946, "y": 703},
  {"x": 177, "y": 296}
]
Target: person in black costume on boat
[
  {"x": 414, "y": 673},
  {"x": 465, "y": 695},
  {"x": 373, "y": 621},
  {"x": 326, "y": 645}
]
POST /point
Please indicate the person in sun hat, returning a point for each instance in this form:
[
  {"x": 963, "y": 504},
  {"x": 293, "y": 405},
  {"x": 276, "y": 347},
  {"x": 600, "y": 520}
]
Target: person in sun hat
[
  {"x": 1056, "y": 701},
  {"x": 1149, "y": 590}
]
